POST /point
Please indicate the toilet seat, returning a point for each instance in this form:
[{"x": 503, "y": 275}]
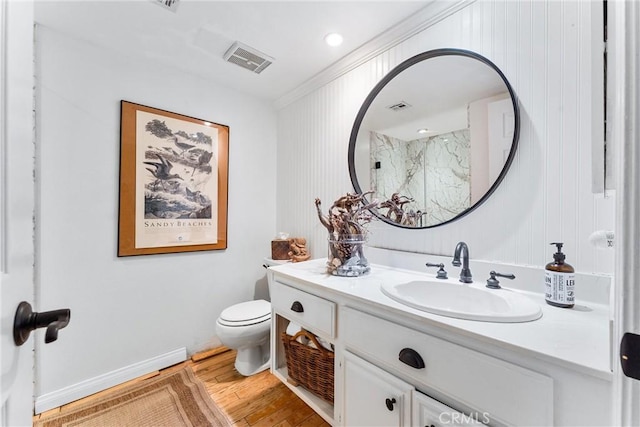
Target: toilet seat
[{"x": 246, "y": 314}]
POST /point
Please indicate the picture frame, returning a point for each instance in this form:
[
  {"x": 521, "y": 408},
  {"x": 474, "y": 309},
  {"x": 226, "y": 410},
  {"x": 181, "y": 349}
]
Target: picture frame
[{"x": 173, "y": 182}]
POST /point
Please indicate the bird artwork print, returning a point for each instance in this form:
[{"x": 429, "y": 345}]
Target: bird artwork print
[
  {"x": 179, "y": 180},
  {"x": 162, "y": 171},
  {"x": 182, "y": 145}
]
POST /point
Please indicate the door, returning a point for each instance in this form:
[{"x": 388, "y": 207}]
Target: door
[
  {"x": 373, "y": 397},
  {"x": 16, "y": 205},
  {"x": 623, "y": 121}
]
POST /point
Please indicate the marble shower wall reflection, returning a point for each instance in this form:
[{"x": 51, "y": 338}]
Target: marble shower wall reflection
[{"x": 434, "y": 171}]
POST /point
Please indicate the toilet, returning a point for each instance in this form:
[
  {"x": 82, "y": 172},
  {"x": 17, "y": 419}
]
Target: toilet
[{"x": 245, "y": 327}]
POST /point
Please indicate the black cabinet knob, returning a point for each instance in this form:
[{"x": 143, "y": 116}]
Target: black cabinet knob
[
  {"x": 297, "y": 307},
  {"x": 390, "y": 403},
  {"x": 411, "y": 357}
]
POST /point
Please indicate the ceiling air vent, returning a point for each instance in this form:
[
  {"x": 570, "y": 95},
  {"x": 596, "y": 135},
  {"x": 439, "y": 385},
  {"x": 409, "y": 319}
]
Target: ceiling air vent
[
  {"x": 399, "y": 106},
  {"x": 172, "y": 5},
  {"x": 247, "y": 57}
]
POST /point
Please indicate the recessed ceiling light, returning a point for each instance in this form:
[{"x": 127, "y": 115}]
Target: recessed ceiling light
[
  {"x": 423, "y": 130},
  {"x": 333, "y": 39}
]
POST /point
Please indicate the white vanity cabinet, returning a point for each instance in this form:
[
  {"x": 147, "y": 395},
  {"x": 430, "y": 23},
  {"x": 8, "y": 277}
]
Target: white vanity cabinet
[
  {"x": 398, "y": 367},
  {"x": 506, "y": 393}
]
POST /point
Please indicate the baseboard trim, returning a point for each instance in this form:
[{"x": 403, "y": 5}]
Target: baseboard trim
[{"x": 102, "y": 382}]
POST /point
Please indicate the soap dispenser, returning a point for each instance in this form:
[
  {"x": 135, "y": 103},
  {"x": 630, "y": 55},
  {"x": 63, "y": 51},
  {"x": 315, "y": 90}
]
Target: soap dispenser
[{"x": 559, "y": 281}]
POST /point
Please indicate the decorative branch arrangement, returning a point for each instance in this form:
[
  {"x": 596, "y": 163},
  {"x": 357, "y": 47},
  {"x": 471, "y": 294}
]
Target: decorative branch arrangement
[
  {"x": 345, "y": 223},
  {"x": 396, "y": 211}
]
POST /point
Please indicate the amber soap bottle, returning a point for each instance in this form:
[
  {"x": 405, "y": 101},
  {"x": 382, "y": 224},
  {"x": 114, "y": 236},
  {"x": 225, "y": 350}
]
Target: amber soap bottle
[{"x": 559, "y": 281}]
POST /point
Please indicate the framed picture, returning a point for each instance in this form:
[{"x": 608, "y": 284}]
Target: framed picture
[{"x": 173, "y": 182}]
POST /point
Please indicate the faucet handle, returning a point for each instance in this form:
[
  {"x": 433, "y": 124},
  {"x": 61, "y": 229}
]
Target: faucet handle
[
  {"x": 493, "y": 283},
  {"x": 441, "y": 274}
]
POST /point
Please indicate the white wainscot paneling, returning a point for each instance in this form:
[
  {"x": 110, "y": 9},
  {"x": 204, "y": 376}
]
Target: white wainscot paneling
[{"x": 545, "y": 50}]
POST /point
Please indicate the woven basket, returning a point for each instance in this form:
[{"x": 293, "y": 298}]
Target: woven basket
[{"x": 309, "y": 367}]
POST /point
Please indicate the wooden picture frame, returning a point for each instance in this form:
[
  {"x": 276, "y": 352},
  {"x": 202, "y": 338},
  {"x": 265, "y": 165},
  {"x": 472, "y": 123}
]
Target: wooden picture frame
[{"x": 173, "y": 182}]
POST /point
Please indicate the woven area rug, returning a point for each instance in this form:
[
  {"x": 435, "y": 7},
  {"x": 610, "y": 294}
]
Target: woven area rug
[{"x": 174, "y": 399}]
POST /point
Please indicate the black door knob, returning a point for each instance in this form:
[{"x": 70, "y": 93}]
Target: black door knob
[
  {"x": 390, "y": 403},
  {"x": 26, "y": 320}
]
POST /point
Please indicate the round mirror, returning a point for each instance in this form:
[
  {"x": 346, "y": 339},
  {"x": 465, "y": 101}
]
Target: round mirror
[{"x": 434, "y": 138}]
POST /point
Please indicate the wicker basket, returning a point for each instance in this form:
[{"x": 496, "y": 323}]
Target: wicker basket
[{"x": 309, "y": 367}]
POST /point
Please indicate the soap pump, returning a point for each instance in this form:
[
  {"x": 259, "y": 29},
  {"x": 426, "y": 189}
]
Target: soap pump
[{"x": 559, "y": 281}]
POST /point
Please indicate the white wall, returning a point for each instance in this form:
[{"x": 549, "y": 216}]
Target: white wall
[
  {"x": 545, "y": 51},
  {"x": 126, "y": 310}
]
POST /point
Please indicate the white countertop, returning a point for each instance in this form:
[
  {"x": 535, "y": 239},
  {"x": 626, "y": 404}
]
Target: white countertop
[{"x": 578, "y": 338}]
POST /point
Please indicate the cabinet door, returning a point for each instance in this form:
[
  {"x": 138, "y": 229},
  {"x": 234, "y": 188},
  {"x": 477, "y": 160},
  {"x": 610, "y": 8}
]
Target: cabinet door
[
  {"x": 373, "y": 397},
  {"x": 428, "y": 412}
]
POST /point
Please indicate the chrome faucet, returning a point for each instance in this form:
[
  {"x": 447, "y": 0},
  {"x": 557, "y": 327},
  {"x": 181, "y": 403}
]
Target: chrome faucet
[{"x": 465, "y": 273}]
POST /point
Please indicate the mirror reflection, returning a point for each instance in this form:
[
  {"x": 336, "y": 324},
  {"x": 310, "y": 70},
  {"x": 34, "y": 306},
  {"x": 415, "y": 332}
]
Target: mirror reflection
[{"x": 434, "y": 138}]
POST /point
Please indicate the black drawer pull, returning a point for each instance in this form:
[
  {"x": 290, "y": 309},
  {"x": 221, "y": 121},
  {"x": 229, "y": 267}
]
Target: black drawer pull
[
  {"x": 297, "y": 307},
  {"x": 390, "y": 403},
  {"x": 411, "y": 357}
]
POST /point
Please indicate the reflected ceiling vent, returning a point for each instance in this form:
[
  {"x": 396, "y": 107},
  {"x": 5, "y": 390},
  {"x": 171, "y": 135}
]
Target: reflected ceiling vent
[
  {"x": 172, "y": 5},
  {"x": 399, "y": 106},
  {"x": 247, "y": 57}
]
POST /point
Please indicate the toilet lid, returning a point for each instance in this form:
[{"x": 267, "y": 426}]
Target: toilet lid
[{"x": 249, "y": 312}]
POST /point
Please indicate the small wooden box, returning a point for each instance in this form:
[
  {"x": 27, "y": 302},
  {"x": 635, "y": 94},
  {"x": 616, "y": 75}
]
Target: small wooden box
[{"x": 280, "y": 249}]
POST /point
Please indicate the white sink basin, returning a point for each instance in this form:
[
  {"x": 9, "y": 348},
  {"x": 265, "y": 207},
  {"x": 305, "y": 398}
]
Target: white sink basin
[{"x": 462, "y": 301}]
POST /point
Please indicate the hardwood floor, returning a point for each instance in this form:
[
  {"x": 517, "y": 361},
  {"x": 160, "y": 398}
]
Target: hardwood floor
[{"x": 257, "y": 401}]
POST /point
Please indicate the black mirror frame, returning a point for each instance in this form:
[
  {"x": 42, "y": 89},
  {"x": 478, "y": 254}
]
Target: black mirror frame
[{"x": 393, "y": 73}]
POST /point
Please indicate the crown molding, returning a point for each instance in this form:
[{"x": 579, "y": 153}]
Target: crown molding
[{"x": 431, "y": 14}]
